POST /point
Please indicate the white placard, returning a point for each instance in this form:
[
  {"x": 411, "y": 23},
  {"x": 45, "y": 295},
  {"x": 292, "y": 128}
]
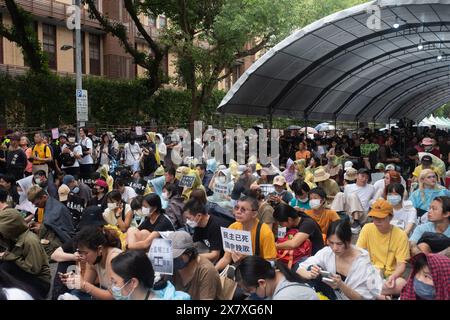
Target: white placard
[
  {"x": 220, "y": 189},
  {"x": 237, "y": 240},
  {"x": 281, "y": 232},
  {"x": 266, "y": 189},
  {"x": 139, "y": 131},
  {"x": 82, "y": 105},
  {"x": 55, "y": 133},
  {"x": 161, "y": 256}
]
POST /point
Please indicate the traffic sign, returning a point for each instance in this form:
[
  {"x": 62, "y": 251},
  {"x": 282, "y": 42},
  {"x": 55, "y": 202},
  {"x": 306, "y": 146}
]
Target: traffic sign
[{"x": 82, "y": 105}]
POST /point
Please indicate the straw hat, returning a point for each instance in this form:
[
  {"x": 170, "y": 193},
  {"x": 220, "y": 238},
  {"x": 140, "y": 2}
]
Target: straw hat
[{"x": 321, "y": 175}]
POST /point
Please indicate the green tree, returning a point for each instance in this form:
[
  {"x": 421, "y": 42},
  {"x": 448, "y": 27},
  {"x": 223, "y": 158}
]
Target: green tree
[{"x": 443, "y": 111}]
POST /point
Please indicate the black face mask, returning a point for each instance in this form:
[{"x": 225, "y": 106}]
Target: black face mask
[
  {"x": 132, "y": 141},
  {"x": 43, "y": 184},
  {"x": 94, "y": 191}
]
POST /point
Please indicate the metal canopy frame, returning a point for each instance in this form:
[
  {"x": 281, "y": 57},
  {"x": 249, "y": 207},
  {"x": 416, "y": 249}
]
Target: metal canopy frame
[{"x": 338, "y": 68}]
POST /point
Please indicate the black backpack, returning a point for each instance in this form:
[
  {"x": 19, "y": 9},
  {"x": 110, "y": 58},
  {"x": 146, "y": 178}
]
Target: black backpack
[{"x": 66, "y": 159}]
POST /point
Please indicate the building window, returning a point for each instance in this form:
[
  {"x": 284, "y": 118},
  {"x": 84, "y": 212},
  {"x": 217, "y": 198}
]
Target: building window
[
  {"x": 152, "y": 20},
  {"x": 49, "y": 44},
  {"x": 162, "y": 21},
  {"x": 83, "y": 58},
  {"x": 94, "y": 55},
  {"x": 1, "y": 42}
]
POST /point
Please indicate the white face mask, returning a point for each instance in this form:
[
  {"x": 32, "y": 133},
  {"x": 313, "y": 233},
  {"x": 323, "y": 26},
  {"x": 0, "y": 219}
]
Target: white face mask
[
  {"x": 165, "y": 196},
  {"x": 221, "y": 179},
  {"x": 394, "y": 199},
  {"x": 139, "y": 213},
  {"x": 145, "y": 211},
  {"x": 112, "y": 206},
  {"x": 71, "y": 139},
  {"x": 304, "y": 200},
  {"x": 191, "y": 223},
  {"x": 315, "y": 203}
]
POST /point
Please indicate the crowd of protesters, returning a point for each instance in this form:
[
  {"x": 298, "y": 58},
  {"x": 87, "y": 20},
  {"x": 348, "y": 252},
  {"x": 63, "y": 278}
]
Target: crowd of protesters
[{"x": 353, "y": 216}]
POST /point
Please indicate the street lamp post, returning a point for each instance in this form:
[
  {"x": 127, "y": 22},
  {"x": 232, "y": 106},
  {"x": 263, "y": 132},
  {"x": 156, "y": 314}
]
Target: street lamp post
[{"x": 78, "y": 56}]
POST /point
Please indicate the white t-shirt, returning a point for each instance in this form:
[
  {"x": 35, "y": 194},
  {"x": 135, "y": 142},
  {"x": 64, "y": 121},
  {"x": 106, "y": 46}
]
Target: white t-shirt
[
  {"x": 16, "y": 294},
  {"x": 365, "y": 194},
  {"x": 406, "y": 215},
  {"x": 128, "y": 194},
  {"x": 76, "y": 150},
  {"x": 132, "y": 153},
  {"x": 87, "y": 142}
]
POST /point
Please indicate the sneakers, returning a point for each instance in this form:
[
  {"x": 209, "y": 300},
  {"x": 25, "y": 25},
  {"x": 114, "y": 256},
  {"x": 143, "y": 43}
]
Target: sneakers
[{"x": 356, "y": 227}]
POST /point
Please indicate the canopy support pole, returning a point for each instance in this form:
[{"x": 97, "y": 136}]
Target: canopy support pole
[{"x": 335, "y": 124}]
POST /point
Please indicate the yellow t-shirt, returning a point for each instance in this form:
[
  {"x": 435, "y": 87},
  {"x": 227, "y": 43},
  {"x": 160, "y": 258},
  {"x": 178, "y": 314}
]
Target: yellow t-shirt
[
  {"x": 267, "y": 249},
  {"x": 418, "y": 170},
  {"x": 324, "y": 220},
  {"x": 41, "y": 151},
  {"x": 385, "y": 250}
]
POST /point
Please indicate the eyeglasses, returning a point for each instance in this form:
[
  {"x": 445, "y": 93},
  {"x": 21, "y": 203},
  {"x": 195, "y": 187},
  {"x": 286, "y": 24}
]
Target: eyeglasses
[{"x": 242, "y": 209}]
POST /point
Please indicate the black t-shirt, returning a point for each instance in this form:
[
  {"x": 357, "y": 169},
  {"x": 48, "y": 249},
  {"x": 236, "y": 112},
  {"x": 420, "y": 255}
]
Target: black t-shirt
[
  {"x": 138, "y": 185},
  {"x": 76, "y": 206},
  {"x": 211, "y": 235},
  {"x": 309, "y": 226},
  {"x": 161, "y": 224},
  {"x": 16, "y": 159},
  {"x": 100, "y": 203}
]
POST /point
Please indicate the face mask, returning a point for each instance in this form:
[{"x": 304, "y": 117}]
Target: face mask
[
  {"x": 94, "y": 191},
  {"x": 191, "y": 223},
  {"x": 394, "y": 199},
  {"x": 117, "y": 292},
  {"x": 112, "y": 206},
  {"x": 76, "y": 190},
  {"x": 37, "y": 181},
  {"x": 179, "y": 264},
  {"x": 139, "y": 213},
  {"x": 145, "y": 211},
  {"x": 315, "y": 203},
  {"x": 221, "y": 179},
  {"x": 71, "y": 140},
  {"x": 423, "y": 290},
  {"x": 132, "y": 142},
  {"x": 305, "y": 200}
]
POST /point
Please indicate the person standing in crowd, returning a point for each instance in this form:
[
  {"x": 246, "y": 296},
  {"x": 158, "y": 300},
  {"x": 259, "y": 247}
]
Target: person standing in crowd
[
  {"x": 193, "y": 273},
  {"x": 41, "y": 155},
  {"x": 87, "y": 162},
  {"x": 132, "y": 154},
  {"x": 387, "y": 246},
  {"x": 246, "y": 212},
  {"x": 71, "y": 155},
  {"x": 16, "y": 159},
  {"x": 352, "y": 275},
  {"x": 438, "y": 224},
  {"x": 25, "y": 145},
  {"x": 105, "y": 150},
  {"x": 303, "y": 152},
  {"x": 429, "y": 279},
  {"x": 162, "y": 148},
  {"x": 23, "y": 257},
  {"x": 206, "y": 229},
  {"x": 257, "y": 276}
]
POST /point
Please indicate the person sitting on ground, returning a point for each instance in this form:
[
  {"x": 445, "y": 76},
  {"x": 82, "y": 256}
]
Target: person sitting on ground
[
  {"x": 256, "y": 276},
  {"x": 40, "y": 178},
  {"x": 97, "y": 246},
  {"x": 324, "y": 217},
  {"x": 390, "y": 177},
  {"x": 53, "y": 222},
  {"x": 73, "y": 202},
  {"x": 206, "y": 229},
  {"x": 387, "y": 246},
  {"x": 438, "y": 224},
  {"x": 352, "y": 275},
  {"x": 322, "y": 179},
  {"x": 427, "y": 191},
  {"x": 265, "y": 210},
  {"x": 246, "y": 212},
  {"x": 307, "y": 229},
  {"x": 14, "y": 289},
  {"x": 429, "y": 279},
  {"x": 99, "y": 192},
  {"x": 301, "y": 190},
  {"x": 205, "y": 176},
  {"x": 23, "y": 257},
  {"x": 280, "y": 194},
  {"x": 155, "y": 221},
  {"x": 118, "y": 212},
  {"x": 172, "y": 195},
  {"x": 127, "y": 192},
  {"x": 405, "y": 215},
  {"x": 78, "y": 187},
  {"x": 193, "y": 273},
  {"x": 8, "y": 183}
]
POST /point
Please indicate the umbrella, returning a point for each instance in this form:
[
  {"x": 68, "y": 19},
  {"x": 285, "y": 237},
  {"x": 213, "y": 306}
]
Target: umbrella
[
  {"x": 324, "y": 127},
  {"x": 309, "y": 130},
  {"x": 293, "y": 127}
]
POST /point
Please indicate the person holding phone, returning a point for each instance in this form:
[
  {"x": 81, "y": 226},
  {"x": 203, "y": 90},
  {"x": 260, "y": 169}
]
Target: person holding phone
[
  {"x": 344, "y": 268},
  {"x": 118, "y": 213}
]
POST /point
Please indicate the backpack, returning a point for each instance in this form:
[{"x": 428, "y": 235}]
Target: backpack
[
  {"x": 292, "y": 256},
  {"x": 66, "y": 159}
]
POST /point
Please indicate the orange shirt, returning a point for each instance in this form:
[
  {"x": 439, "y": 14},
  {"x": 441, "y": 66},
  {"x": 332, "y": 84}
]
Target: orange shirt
[
  {"x": 305, "y": 154},
  {"x": 324, "y": 219}
]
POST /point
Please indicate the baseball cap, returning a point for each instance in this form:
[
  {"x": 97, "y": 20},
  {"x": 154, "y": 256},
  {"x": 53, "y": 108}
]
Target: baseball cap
[
  {"x": 381, "y": 208},
  {"x": 380, "y": 166},
  {"x": 390, "y": 167},
  {"x": 68, "y": 179},
  {"x": 347, "y": 165},
  {"x": 181, "y": 241},
  {"x": 279, "y": 181},
  {"x": 63, "y": 192},
  {"x": 101, "y": 183},
  {"x": 426, "y": 158}
]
